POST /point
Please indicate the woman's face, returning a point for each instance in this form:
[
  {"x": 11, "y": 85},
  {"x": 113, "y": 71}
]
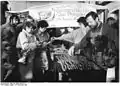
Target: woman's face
[{"x": 29, "y": 29}]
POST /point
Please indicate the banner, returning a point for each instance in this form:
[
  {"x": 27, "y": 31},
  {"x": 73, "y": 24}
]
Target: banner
[
  {"x": 44, "y": 14},
  {"x": 62, "y": 11},
  {"x": 71, "y": 11},
  {"x": 61, "y": 14}
]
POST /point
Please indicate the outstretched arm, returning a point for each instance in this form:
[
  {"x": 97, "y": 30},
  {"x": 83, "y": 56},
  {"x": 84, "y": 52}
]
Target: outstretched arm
[
  {"x": 82, "y": 43},
  {"x": 67, "y": 37}
]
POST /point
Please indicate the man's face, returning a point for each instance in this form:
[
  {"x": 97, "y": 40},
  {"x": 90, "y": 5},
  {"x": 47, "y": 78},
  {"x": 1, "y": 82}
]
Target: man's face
[
  {"x": 42, "y": 29},
  {"x": 91, "y": 22}
]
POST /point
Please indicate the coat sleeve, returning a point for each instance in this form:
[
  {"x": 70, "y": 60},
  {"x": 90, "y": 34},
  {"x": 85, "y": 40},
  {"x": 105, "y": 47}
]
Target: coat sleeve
[
  {"x": 67, "y": 37},
  {"x": 83, "y": 43},
  {"x": 110, "y": 34}
]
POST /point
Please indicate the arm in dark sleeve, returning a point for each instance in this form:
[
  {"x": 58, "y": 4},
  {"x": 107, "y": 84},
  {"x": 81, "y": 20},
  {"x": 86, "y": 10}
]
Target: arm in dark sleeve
[
  {"x": 83, "y": 42},
  {"x": 110, "y": 34}
]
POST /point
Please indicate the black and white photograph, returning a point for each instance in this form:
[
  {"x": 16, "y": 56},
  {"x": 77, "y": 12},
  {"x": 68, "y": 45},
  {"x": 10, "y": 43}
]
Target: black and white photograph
[{"x": 59, "y": 41}]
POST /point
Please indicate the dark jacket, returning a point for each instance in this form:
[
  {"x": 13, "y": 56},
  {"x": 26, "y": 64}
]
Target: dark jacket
[
  {"x": 8, "y": 33},
  {"x": 106, "y": 31},
  {"x": 85, "y": 43}
]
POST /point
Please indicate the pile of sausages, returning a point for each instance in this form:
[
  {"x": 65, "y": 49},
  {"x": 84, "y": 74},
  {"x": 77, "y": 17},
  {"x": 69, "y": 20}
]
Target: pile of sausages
[{"x": 66, "y": 61}]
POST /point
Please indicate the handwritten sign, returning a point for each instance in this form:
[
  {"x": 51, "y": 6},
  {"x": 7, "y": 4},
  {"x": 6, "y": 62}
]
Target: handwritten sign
[
  {"x": 71, "y": 11},
  {"x": 61, "y": 15},
  {"x": 61, "y": 11},
  {"x": 44, "y": 15}
]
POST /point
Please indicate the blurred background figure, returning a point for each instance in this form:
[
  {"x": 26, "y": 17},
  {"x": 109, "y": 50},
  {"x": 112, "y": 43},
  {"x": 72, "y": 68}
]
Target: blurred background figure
[
  {"x": 113, "y": 22},
  {"x": 4, "y": 8},
  {"x": 8, "y": 42}
]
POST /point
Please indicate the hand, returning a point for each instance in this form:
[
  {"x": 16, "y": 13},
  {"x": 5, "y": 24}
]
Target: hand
[
  {"x": 92, "y": 41},
  {"x": 38, "y": 43},
  {"x": 71, "y": 51},
  {"x": 54, "y": 38},
  {"x": 44, "y": 44},
  {"x": 33, "y": 46}
]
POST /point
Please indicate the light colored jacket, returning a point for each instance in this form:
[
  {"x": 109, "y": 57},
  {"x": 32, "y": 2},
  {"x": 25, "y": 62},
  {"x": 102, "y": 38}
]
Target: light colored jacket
[
  {"x": 75, "y": 36},
  {"x": 26, "y": 41}
]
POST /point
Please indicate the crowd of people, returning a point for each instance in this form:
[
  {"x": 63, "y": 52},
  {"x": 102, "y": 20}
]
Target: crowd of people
[
  {"x": 25, "y": 54},
  {"x": 20, "y": 41}
]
